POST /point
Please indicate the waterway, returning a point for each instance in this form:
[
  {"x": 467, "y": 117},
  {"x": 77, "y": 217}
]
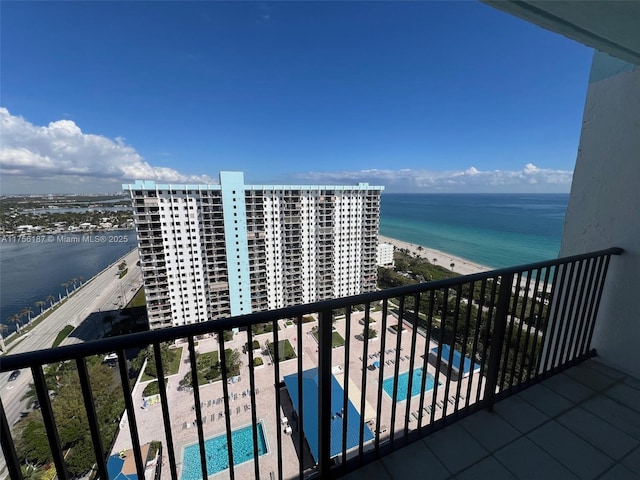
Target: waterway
[{"x": 31, "y": 270}]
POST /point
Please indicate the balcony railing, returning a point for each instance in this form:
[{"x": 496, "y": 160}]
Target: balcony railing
[{"x": 442, "y": 350}]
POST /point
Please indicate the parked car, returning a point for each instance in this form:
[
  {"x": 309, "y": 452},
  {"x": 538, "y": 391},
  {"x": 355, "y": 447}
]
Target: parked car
[{"x": 15, "y": 374}]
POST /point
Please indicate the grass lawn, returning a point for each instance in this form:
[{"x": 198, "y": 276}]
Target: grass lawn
[
  {"x": 336, "y": 338},
  {"x": 138, "y": 300},
  {"x": 170, "y": 369},
  {"x": 206, "y": 361},
  {"x": 285, "y": 350},
  {"x": 64, "y": 333}
]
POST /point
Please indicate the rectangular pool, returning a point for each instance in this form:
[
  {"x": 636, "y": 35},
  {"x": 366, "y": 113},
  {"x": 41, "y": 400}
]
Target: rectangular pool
[
  {"x": 216, "y": 449},
  {"x": 403, "y": 384}
]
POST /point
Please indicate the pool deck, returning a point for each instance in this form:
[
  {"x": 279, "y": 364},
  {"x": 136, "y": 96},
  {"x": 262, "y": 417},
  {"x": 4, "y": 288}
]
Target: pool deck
[{"x": 149, "y": 420}]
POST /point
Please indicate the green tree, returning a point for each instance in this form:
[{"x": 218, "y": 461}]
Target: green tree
[
  {"x": 50, "y": 299},
  {"x": 32, "y": 444},
  {"x": 370, "y": 333},
  {"x": 40, "y": 304},
  {"x": 16, "y": 320},
  {"x": 187, "y": 380},
  {"x": 32, "y": 472},
  {"x": 26, "y": 312},
  {"x": 71, "y": 420},
  {"x": 3, "y": 330}
]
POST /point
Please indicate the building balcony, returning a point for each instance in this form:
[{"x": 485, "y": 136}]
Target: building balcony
[
  {"x": 582, "y": 423},
  {"x": 472, "y": 377}
]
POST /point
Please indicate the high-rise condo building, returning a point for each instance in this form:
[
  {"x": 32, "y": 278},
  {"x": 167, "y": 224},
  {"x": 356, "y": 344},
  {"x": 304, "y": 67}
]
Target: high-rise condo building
[{"x": 212, "y": 251}]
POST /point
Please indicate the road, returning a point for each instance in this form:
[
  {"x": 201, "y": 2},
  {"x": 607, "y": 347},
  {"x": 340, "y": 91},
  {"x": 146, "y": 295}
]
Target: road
[{"x": 105, "y": 292}]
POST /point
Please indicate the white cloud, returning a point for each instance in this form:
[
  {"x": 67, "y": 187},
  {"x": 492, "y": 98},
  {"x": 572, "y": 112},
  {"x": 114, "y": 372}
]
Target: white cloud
[
  {"x": 528, "y": 179},
  {"x": 61, "y": 153}
]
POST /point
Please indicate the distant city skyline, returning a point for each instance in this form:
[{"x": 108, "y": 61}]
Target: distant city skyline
[{"x": 451, "y": 97}]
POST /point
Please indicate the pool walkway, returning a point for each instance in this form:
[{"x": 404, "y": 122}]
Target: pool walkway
[{"x": 181, "y": 403}]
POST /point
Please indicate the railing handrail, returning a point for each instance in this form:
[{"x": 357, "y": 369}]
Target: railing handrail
[{"x": 107, "y": 345}]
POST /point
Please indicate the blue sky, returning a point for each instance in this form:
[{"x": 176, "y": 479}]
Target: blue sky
[{"x": 416, "y": 96}]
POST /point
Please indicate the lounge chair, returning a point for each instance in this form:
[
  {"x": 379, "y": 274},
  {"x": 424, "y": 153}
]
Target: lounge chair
[
  {"x": 238, "y": 411},
  {"x": 212, "y": 417},
  {"x": 209, "y": 403},
  {"x": 204, "y": 419},
  {"x": 415, "y": 415}
]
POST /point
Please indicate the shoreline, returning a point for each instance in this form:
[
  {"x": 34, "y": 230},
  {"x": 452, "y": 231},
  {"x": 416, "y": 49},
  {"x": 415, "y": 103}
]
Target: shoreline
[{"x": 461, "y": 265}]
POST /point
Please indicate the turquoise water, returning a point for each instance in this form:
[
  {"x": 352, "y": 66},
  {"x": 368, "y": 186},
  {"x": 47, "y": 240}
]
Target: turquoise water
[
  {"x": 403, "y": 384},
  {"x": 216, "y": 452},
  {"x": 496, "y": 230}
]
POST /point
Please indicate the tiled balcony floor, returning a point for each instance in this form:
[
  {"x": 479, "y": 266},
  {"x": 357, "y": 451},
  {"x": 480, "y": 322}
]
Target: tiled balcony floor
[{"x": 583, "y": 423}]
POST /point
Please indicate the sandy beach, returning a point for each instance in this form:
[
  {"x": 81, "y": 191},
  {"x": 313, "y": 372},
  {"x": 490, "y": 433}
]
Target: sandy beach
[{"x": 461, "y": 265}]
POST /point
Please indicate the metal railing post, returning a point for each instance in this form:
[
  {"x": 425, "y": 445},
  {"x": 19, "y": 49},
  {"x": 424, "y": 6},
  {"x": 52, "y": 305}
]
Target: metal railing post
[
  {"x": 324, "y": 393},
  {"x": 8, "y": 447},
  {"x": 497, "y": 339}
]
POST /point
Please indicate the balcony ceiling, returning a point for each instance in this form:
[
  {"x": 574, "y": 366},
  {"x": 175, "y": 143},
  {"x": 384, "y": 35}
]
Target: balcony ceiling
[{"x": 609, "y": 26}]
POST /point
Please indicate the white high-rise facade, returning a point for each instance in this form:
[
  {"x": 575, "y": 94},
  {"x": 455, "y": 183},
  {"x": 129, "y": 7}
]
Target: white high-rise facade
[{"x": 212, "y": 251}]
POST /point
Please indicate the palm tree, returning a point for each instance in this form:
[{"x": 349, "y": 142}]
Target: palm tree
[
  {"x": 80, "y": 279},
  {"x": 3, "y": 330},
  {"x": 40, "y": 304},
  {"x": 26, "y": 311},
  {"x": 66, "y": 287},
  {"x": 452, "y": 265},
  {"x": 435, "y": 260},
  {"x": 15, "y": 318},
  {"x": 50, "y": 299},
  {"x": 32, "y": 472}
]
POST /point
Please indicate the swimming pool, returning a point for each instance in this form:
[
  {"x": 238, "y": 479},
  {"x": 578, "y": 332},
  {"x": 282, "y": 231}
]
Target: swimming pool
[
  {"x": 403, "y": 384},
  {"x": 216, "y": 451}
]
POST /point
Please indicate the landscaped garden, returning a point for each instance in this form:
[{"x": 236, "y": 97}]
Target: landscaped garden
[
  {"x": 336, "y": 338},
  {"x": 285, "y": 350},
  {"x": 209, "y": 368}
]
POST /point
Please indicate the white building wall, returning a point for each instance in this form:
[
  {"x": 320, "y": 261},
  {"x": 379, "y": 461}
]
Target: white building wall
[
  {"x": 181, "y": 235},
  {"x": 347, "y": 244},
  {"x": 273, "y": 245},
  {"x": 314, "y": 244},
  {"x": 384, "y": 255},
  {"x": 604, "y": 206},
  {"x": 308, "y": 247}
]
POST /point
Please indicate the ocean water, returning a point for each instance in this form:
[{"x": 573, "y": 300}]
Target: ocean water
[{"x": 495, "y": 230}]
